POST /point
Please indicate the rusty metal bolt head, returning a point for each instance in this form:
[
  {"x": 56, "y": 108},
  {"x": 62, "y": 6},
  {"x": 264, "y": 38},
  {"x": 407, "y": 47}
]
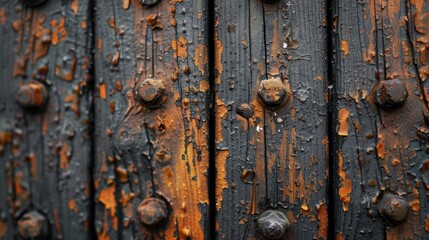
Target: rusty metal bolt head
[
  {"x": 245, "y": 110},
  {"x": 393, "y": 208},
  {"x": 32, "y": 96},
  {"x": 272, "y": 93},
  {"x": 152, "y": 92},
  {"x": 273, "y": 224},
  {"x": 33, "y": 3},
  {"x": 149, "y": 3},
  {"x": 32, "y": 225},
  {"x": 391, "y": 94},
  {"x": 153, "y": 212}
]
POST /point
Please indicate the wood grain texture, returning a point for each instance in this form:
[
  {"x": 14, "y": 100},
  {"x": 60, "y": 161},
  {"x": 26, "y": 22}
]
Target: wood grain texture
[
  {"x": 144, "y": 152},
  {"x": 379, "y": 151},
  {"x": 45, "y": 156},
  {"x": 274, "y": 159}
]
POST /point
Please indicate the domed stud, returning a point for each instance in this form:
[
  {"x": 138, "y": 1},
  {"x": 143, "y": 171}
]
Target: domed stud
[
  {"x": 273, "y": 224},
  {"x": 272, "y": 93},
  {"x": 153, "y": 212},
  {"x": 32, "y": 226},
  {"x": 32, "y": 96},
  {"x": 391, "y": 94},
  {"x": 393, "y": 209},
  {"x": 152, "y": 92},
  {"x": 149, "y": 3}
]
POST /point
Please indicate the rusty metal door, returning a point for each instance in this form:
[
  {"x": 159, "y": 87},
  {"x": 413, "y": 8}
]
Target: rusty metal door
[{"x": 199, "y": 119}]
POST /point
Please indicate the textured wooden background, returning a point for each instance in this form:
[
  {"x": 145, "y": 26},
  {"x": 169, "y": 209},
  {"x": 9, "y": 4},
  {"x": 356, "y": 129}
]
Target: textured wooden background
[{"x": 212, "y": 151}]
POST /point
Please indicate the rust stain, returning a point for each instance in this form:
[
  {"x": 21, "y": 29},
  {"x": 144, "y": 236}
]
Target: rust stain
[
  {"x": 221, "y": 182},
  {"x": 180, "y": 47},
  {"x": 123, "y": 174},
  {"x": 345, "y": 47},
  {"x": 57, "y": 223},
  {"x": 221, "y": 111},
  {"x": 72, "y": 205},
  {"x": 201, "y": 57},
  {"x": 343, "y": 116},
  {"x": 322, "y": 216},
  {"x": 204, "y": 85},
  {"x": 33, "y": 164},
  {"x": 2, "y": 16},
  {"x": 74, "y": 6},
  {"x": 418, "y": 3},
  {"x": 103, "y": 91},
  {"x": 218, "y": 58},
  {"x": 380, "y": 150},
  {"x": 3, "y": 228},
  {"x": 64, "y": 156},
  {"x": 107, "y": 197},
  {"x": 59, "y": 32},
  {"x": 346, "y": 184}
]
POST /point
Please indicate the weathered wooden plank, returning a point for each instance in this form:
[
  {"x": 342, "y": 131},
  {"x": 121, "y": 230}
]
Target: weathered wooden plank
[
  {"x": 380, "y": 158},
  {"x": 272, "y": 157},
  {"x": 152, "y": 145},
  {"x": 45, "y": 148}
]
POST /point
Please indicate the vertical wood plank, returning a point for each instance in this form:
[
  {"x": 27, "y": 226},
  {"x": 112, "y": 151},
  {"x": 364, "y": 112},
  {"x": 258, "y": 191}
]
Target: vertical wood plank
[
  {"x": 148, "y": 150},
  {"x": 45, "y": 155},
  {"x": 271, "y": 158},
  {"x": 379, "y": 152}
]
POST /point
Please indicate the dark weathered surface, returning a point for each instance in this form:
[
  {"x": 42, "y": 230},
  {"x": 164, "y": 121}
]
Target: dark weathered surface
[
  {"x": 150, "y": 144},
  {"x": 45, "y": 153},
  {"x": 379, "y": 154},
  {"x": 277, "y": 157}
]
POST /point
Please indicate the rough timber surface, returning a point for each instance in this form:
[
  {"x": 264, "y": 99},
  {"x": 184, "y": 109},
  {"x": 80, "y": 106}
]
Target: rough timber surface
[
  {"x": 274, "y": 159},
  {"x": 380, "y": 152},
  {"x": 144, "y": 152},
  {"x": 45, "y": 156}
]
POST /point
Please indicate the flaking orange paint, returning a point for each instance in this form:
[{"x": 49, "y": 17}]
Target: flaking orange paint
[
  {"x": 343, "y": 115},
  {"x": 346, "y": 184}
]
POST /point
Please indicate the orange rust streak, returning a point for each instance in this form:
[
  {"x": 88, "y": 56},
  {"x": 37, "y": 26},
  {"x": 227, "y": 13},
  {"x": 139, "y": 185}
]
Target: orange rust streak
[
  {"x": 347, "y": 184},
  {"x": 107, "y": 197},
  {"x": 343, "y": 115},
  {"x": 322, "y": 216}
]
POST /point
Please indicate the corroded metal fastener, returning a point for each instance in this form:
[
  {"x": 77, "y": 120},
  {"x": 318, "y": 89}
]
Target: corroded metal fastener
[
  {"x": 152, "y": 212},
  {"x": 152, "y": 92},
  {"x": 32, "y": 96},
  {"x": 393, "y": 208},
  {"x": 273, "y": 224},
  {"x": 391, "y": 94},
  {"x": 149, "y": 3},
  {"x": 33, "y": 3},
  {"x": 272, "y": 93},
  {"x": 244, "y": 110},
  {"x": 32, "y": 225}
]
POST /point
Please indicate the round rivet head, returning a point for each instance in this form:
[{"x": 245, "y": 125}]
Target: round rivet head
[
  {"x": 152, "y": 212},
  {"x": 393, "y": 208},
  {"x": 149, "y": 3},
  {"x": 273, "y": 224},
  {"x": 32, "y": 96},
  {"x": 272, "y": 93},
  {"x": 32, "y": 225},
  {"x": 391, "y": 94},
  {"x": 33, "y": 3},
  {"x": 152, "y": 92}
]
